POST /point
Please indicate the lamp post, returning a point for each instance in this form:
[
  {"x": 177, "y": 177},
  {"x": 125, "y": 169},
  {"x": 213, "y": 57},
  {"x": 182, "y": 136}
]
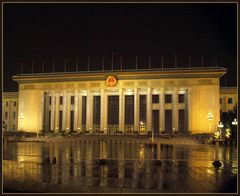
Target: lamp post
[
  {"x": 210, "y": 117},
  {"x": 216, "y": 163},
  {"x": 234, "y": 123},
  {"x": 220, "y": 126}
]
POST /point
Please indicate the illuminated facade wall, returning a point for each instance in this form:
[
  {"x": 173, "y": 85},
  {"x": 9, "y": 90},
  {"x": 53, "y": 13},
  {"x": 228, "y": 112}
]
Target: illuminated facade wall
[
  {"x": 228, "y": 99},
  {"x": 55, "y": 102},
  {"x": 10, "y": 111}
]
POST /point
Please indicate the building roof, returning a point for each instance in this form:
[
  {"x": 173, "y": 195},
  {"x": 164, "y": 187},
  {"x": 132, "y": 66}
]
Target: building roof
[
  {"x": 10, "y": 95},
  {"x": 197, "y": 72},
  {"x": 228, "y": 90}
]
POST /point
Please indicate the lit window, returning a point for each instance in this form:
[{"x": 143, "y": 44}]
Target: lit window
[
  {"x": 230, "y": 101},
  {"x": 168, "y": 98},
  {"x": 155, "y": 98}
]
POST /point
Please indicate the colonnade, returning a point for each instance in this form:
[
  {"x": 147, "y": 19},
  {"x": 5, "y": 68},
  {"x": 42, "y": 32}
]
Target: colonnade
[{"x": 66, "y": 107}]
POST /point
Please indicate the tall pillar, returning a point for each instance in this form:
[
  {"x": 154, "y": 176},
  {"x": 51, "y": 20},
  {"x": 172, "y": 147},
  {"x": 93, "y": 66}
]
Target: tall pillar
[
  {"x": 75, "y": 110},
  {"x": 68, "y": 111},
  {"x": 46, "y": 107},
  {"x": 79, "y": 122},
  {"x": 57, "y": 113},
  {"x": 149, "y": 109},
  {"x": 189, "y": 112},
  {"x": 64, "y": 117},
  {"x": 175, "y": 109},
  {"x": 121, "y": 110},
  {"x": 53, "y": 111},
  {"x": 42, "y": 111},
  {"x": 103, "y": 117},
  {"x": 162, "y": 110},
  {"x": 136, "y": 110},
  {"x": 89, "y": 123}
]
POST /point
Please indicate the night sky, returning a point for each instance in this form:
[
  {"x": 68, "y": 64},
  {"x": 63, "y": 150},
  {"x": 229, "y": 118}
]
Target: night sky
[{"x": 36, "y": 33}]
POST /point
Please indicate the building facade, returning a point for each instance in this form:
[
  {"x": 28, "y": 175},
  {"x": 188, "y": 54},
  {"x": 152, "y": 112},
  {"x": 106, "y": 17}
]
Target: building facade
[
  {"x": 228, "y": 99},
  {"x": 10, "y": 111},
  {"x": 120, "y": 102}
]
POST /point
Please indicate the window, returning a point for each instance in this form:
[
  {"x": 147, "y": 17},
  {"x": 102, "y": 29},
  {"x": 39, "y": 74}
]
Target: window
[
  {"x": 6, "y": 103},
  {"x": 180, "y": 98},
  {"x": 14, "y": 103},
  {"x": 14, "y": 115},
  {"x": 168, "y": 98},
  {"x": 155, "y": 98},
  {"x": 61, "y": 100},
  {"x": 6, "y": 114},
  {"x": 220, "y": 101},
  {"x": 72, "y": 100},
  {"x": 14, "y": 127},
  {"x": 50, "y": 100},
  {"x": 230, "y": 101}
]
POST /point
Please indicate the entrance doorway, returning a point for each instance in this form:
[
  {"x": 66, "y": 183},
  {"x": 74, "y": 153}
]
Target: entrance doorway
[{"x": 155, "y": 122}]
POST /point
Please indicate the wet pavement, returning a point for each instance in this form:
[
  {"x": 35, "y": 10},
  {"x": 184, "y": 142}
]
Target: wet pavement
[{"x": 130, "y": 167}]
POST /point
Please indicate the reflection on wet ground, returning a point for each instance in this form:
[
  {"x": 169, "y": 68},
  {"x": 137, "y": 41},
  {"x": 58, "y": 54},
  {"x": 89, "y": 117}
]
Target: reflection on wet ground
[{"x": 130, "y": 167}]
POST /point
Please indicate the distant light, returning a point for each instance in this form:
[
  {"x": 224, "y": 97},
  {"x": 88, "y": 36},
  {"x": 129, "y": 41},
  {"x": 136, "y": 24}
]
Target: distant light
[
  {"x": 234, "y": 122},
  {"x": 220, "y": 125}
]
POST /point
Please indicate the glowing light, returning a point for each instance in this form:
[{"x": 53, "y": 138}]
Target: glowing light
[
  {"x": 217, "y": 135},
  {"x": 220, "y": 125},
  {"x": 228, "y": 133},
  {"x": 210, "y": 116},
  {"x": 234, "y": 122}
]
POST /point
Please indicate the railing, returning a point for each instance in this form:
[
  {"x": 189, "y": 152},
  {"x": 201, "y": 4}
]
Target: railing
[
  {"x": 129, "y": 129},
  {"x": 113, "y": 129}
]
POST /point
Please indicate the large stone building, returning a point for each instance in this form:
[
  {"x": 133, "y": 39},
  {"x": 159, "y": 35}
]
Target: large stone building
[
  {"x": 228, "y": 99},
  {"x": 120, "y": 102}
]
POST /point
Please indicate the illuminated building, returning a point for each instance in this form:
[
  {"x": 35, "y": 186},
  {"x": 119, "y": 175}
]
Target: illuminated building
[
  {"x": 120, "y": 102},
  {"x": 228, "y": 99}
]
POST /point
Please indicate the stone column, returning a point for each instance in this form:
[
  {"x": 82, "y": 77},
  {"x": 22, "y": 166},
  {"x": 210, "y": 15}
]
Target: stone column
[
  {"x": 136, "y": 110},
  {"x": 42, "y": 111},
  {"x": 162, "y": 110},
  {"x": 89, "y": 123},
  {"x": 75, "y": 110},
  {"x": 68, "y": 111},
  {"x": 46, "y": 105},
  {"x": 103, "y": 117},
  {"x": 57, "y": 113},
  {"x": 64, "y": 117},
  {"x": 79, "y": 122},
  {"x": 121, "y": 110},
  {"x": 175, "y": 109},
  {"x": 149, "y": 109},
  {"x": 189, "y": 112},
  {"x": 53, "y": 111}
]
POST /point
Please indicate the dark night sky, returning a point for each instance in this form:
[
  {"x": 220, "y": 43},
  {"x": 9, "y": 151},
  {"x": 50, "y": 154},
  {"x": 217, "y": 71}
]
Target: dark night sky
[{"x": 54, "y": 31}]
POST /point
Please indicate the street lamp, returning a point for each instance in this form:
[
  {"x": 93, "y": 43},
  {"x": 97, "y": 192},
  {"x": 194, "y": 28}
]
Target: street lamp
[
  {"x": 210, "y": 117},
  {"x": 220, "y": 126},
  {"x": 234, "y": 123}
]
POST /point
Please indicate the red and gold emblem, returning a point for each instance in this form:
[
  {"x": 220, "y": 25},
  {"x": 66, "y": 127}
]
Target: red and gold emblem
[{"x": 111, "y": 81}]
